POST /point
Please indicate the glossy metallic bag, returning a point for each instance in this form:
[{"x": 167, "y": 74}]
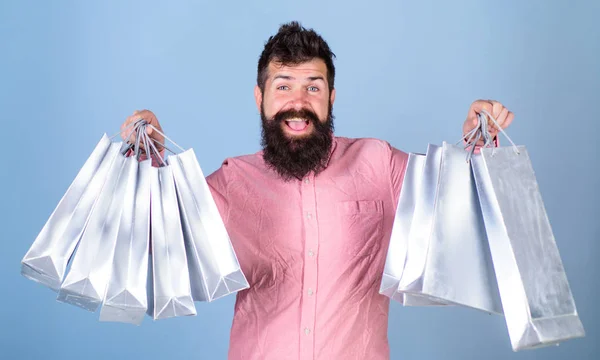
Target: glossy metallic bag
[
  {"x": 538, "y": 305},
  {"x": 214, "y": 269},
  {"x": 126, "y": 297},
  {"x": 448, "y": 257},
  {"x": 47, "y": 259},
  {"x": 86, "y": 282},
  {"x": 213, "y": 266},
  {"x": 171, "y": 292},
  {"x": 398, "y": 246}
]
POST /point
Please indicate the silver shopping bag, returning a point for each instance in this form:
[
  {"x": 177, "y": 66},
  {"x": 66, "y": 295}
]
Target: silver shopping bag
[
  {"x": 86, "y": 282},
  {"x": 171, "y": 292},
  {"x": 214, "y": 268},
  {"x": 538, "y": 305},
  {"x": 47, "y": 259},
  {"x": 126, "y": 297},
  {"x": 448, "y": 256},
  {"x": 420, "y": 227},
  {"x": 398, "y": 245}
]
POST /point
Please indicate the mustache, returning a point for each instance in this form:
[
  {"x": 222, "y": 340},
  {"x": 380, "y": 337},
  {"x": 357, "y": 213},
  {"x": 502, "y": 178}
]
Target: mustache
[{"x": 295, "y": 114}]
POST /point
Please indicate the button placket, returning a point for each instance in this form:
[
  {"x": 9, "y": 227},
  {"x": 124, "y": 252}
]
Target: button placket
[{"x": 309, "y": 284}]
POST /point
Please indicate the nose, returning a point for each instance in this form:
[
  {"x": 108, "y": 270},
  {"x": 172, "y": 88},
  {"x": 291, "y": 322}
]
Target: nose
[{"x": 299, "y": 100}]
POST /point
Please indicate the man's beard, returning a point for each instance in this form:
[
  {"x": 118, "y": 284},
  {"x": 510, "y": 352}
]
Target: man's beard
[{"x": 293, "y": 157}]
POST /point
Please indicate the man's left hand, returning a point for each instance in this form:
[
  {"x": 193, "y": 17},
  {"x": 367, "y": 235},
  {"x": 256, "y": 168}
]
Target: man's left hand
[{"x": 501, "y": 114}]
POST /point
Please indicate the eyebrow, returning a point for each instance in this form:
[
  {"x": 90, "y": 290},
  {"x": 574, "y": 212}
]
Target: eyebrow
[{"x": 288, "y": 77}]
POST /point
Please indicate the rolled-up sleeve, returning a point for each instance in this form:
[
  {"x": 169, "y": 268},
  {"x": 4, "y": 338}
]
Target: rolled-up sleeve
[{"x": 397, "y": 169}]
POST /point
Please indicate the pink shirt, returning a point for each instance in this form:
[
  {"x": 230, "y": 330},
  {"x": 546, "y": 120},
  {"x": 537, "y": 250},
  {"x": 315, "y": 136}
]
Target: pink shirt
[{"x": 313, "y": 252}]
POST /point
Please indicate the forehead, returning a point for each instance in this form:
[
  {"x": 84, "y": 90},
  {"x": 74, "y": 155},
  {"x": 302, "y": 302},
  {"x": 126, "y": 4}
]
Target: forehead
[{"x": 306, "y": 69}]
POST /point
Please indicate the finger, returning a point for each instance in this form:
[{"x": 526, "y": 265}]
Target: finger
[
  {"x": 469, "y": 125},
  {"x": 143, "y": 115},
  {"x": 133, "y": 130},
  {"x": 496, "y": 108},
  {"x": 132, "y": 119},
  {"x": 472, "y": 116},
  {"x": 500, "y": 119},
  {"x": 480, "y": 105},
  {"x": 148, "y": 116},
  {"x": 126, "y": 127},
  {"x": 509, "y": 119},
  {"x": 152, "y": 120}
]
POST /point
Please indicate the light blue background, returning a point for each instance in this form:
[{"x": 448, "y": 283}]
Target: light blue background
[{"x": 407, "y": 73}]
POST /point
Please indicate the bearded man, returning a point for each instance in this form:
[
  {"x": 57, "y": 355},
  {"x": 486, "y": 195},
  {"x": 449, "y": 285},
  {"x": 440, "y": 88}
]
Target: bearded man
[{"x": 310, "y": 215}]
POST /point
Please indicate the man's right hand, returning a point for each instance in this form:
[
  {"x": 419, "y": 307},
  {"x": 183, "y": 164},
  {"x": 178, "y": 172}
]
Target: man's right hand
[{"x": 151, "y": 119}]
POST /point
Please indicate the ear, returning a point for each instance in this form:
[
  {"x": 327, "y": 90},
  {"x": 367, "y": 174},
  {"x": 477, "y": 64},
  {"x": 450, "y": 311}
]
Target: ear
[
  {"x": 332, "y": 96},
  {"x": 257, "y": 97}
]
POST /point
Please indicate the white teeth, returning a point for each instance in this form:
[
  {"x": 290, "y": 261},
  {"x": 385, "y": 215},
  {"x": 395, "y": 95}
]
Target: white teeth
[{"x": 298, "y": 120}]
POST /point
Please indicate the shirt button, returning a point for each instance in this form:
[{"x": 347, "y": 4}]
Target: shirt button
[
  {"x": 311, "y": 253},
  {"x": 306, "y": 181},
  {"x": 310, "y": 292},
  {"x": 309, "y": 216},
  {"x": 306, "y": 331}
]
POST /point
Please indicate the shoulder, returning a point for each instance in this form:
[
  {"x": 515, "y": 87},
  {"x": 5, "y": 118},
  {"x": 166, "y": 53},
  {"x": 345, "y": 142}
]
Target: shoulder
[
  {"x": 240, "y": 165},
  {"x": 371, "y": 145},
  {"x": 375, "y": 152},
  {"x": 246, "y": 162}
]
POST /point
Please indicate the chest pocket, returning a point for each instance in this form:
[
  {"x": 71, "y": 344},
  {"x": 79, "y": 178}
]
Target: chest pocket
[{"x": 361, "y": 225}]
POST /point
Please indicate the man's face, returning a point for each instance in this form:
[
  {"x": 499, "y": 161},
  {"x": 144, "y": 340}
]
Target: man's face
[
  {"x": 296, "y": 87},
  {"x": 297, "y": 119}
]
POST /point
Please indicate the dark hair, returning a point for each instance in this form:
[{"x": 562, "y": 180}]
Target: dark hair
[{"x": 292, "y": 45}]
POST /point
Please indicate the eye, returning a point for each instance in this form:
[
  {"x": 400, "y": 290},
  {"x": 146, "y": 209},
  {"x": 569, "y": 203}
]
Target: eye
[
  {"x": 313, "y": 88},
  {"x": 283, "y": 87}
]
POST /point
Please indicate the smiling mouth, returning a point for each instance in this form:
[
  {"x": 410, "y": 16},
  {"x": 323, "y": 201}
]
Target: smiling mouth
[{"x": 297, "y": 125}]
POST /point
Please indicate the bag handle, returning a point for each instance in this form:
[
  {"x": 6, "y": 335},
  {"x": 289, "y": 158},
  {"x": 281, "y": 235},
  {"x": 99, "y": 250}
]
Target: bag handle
[
  {"x": 481, "y": 130},
  {"x": 139, "y": 127},
  {"x": 132, "y": 128},
  {"x": 133, "y": 125},
  {"x": 473, "y": 146},
  {"x": 151, "y": 141},
  {"x": 136, "y": 145},
  {"x": 473, "y": 138},
  {"x": 486, "y": 135},
  {"x": 166, "y": 137},
  {"x": 151, "y": 149},
  {"x": 141, "y": 123}
]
